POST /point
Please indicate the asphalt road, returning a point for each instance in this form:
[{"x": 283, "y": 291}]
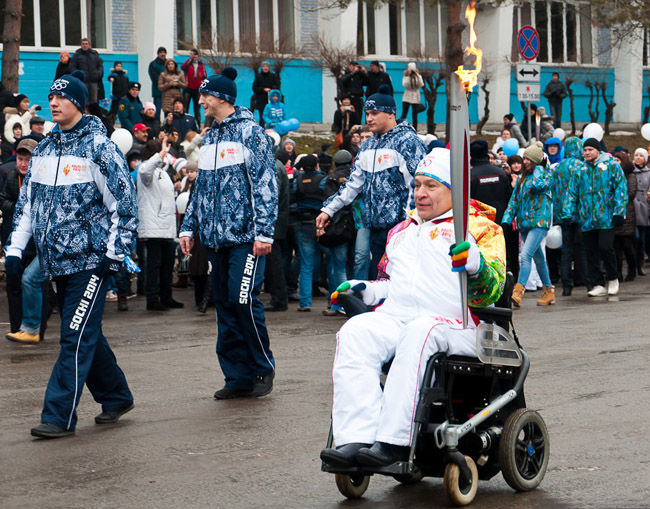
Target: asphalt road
[{"x": 181, "y": 448}]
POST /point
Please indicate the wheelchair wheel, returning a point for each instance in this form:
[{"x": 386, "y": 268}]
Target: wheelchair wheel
[
  {"x": 524, "y": 450},
  {"x": 352, "y": 486},
  {"x": 460, "y": 490}
]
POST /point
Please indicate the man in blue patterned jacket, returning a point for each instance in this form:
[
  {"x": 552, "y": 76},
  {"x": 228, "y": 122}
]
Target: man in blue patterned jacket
[
  {"x": 383, "y": 170},
  {"x": 78, "y": 203},
  {"x": 233, "y": 208}
]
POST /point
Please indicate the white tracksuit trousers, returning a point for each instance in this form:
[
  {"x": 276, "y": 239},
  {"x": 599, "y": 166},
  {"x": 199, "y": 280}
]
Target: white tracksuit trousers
[{"x": 361, "y": 411}]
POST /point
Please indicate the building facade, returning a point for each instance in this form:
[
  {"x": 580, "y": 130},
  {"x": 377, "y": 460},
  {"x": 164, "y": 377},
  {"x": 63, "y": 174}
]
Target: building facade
[{"x": 130, "y": 31}]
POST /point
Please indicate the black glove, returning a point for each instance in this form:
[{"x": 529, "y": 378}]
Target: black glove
[
  {"x": 566, "y": 222},
  {"x": 107, "y": 267},
  {"x": 506, "y": 227},
  {"x": 618, "y": 221},
  {"x": 13, "y": 266}
]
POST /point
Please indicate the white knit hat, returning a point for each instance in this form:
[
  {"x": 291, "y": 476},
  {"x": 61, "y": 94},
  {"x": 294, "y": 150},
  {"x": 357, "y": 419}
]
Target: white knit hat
[
  {"x": 437, "y": 165},
  {"x": 642, "y": 151}
]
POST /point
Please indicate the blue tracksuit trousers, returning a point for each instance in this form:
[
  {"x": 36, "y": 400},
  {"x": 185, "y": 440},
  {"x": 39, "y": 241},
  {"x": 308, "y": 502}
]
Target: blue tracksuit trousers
[
  {"x": 85, "y": 356},
  {"x": 242, "y": 339}
]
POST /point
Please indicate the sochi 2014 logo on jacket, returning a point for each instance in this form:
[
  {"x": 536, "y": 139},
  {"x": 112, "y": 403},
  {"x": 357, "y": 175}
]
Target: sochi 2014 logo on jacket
[{"x": 59, "y": 84}]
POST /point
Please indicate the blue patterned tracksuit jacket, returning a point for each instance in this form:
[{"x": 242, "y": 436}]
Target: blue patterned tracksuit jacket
[
  {"x": 530, "y": 202},
  {"x": 383, "y": 170},
  {"x": 562, "y": 173},
  {"x": 599, "y": 193},
  {"x": 235, "y": 198},
  {"x": 78, "y": 201}
]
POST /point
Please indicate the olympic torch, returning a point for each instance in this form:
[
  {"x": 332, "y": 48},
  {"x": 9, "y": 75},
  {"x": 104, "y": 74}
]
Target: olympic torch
[{"x": 462, "y": 82}]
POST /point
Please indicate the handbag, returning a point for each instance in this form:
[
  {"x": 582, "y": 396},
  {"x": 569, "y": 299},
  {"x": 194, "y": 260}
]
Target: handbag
[{"x": 338, "y": 139}]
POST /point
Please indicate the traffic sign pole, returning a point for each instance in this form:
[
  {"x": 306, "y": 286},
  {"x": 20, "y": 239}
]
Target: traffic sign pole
[{"x": 528, "y": 40}]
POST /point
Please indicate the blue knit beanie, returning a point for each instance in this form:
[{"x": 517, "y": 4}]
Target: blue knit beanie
[
  {"x": 72, "y": 87},
  {"x": 381, "y": 101},
  {"x": 221, "y": 85}
]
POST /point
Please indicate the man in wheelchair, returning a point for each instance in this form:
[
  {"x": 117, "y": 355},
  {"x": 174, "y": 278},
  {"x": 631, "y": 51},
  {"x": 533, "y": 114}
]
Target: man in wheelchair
[{"x": 418, "y": 314}]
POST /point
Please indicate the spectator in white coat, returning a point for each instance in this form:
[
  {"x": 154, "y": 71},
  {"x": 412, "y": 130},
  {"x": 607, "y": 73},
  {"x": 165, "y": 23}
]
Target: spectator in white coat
[
  {"x": 157, "y": 228},
  {"x": 412, "y": 82}
]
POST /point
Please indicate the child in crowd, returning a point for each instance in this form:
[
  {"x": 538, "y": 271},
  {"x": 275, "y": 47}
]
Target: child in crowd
[{"x": 274, "y": 112}]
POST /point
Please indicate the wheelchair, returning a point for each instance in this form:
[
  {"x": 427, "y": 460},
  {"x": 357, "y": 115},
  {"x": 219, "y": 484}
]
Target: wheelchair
[{"x": 471, "y": 420}]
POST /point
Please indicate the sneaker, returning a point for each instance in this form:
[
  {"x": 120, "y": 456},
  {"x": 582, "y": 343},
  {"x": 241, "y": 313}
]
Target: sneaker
[
  {"x": 612, "y": 287},
  {"x": 231, "y": 393},
  {"x": 597, "y": 291},
  {"x": 23, "y": 337},
  {"x": 263, "y": 385},
  {"x": 113, "y": 415},
  {"x": 49, "y": 430},
  {"x": 305, "y": 309},
  {"x": 111, "y": 296}
]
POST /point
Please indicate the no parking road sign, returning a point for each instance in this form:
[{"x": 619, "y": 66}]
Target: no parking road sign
[{"x": 528, "y": 40}]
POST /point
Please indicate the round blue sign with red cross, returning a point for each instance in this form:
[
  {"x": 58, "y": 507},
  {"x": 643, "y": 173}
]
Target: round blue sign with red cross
[{"x": 528, "y": 40}]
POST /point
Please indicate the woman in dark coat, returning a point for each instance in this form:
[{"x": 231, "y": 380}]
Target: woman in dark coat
[{"x": 624, "y": 234}]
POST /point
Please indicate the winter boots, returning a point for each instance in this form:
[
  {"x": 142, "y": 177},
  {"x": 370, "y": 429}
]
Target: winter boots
[
  {"x": 548, "y": 297},
  {"x": 517, "y": 294}
]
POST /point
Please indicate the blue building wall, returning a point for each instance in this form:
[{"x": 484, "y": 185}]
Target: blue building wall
[
  {"x": 38, "y": 69},
  {"x": 302, "y": 87},
  {"x": 646, "y": 97},
  {"x": 580, "y": 92}
]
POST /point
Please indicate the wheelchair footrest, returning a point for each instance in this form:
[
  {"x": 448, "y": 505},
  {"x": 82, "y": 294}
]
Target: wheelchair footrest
[{"x": 398, "y": 468}]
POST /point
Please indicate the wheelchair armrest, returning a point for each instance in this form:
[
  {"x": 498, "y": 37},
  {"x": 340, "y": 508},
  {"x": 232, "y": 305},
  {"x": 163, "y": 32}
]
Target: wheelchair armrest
[{"x": 493, "y": 314}]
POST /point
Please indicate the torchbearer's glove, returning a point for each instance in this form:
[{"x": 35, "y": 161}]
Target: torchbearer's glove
[
  {"x": 13, "y": 266},
  {"x": 371, "y": 292},
  {"x": 107, "y": 267},
  {"x": 465, "y": 257}
]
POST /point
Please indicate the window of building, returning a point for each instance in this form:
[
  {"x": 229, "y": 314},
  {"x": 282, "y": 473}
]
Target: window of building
[
  {"x": 366, "y": 29},
  {"x": 62, "y": 23},
  {"x": 414, "y": 28},
  {"x": 564, "y": 28},
  {"x": 244, "y": 24}
]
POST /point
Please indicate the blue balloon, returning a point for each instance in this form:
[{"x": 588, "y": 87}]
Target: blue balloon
[
  {"x": 510, "y": 147},
  {"x": 281, "y": 129},
  {"x": 294, "y": 124},
  {"x": 286, "y": 125}
]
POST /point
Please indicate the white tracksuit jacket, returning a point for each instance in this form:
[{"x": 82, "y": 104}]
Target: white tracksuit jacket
[{"x": 421, "y": 315}]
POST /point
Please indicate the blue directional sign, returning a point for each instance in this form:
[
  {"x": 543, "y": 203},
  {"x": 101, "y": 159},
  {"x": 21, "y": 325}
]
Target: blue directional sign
[{"x": 528, "y": 40}]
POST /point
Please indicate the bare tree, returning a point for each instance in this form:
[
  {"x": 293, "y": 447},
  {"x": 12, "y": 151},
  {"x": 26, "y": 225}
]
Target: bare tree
[
  {"x": 433, "y": 75},
  {"x": 11, "y": 44},
  {"x": 593, "y": 95},
  {"x": 609, "y": 106},
  {"x": 282, "y": 53},
  {"x": 220, "y": 52},
  {"x": 486, "y": 76},
  {"x": 332, "y": 60}
]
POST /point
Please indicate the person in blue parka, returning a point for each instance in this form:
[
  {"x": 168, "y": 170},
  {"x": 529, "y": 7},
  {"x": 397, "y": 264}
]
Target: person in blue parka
[
  {"x": 78, "y": 203},
  {"x": 233, "y": 209},
  {"x": 274, "y": 112}
]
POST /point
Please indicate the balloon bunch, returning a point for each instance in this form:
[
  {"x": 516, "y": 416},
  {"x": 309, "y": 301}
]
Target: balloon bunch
[{"x": 285, "y": 126}]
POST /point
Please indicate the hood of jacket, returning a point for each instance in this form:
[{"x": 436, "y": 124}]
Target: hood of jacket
[
  {"x": 557, "y": 158},
  {"x": 402, "y": 128},
  {"x": 573, "y": 148},
  {"x": 275, "y": 93},
  {"x": 89, "y": 124},
  {"x": 240, "y": 115}
]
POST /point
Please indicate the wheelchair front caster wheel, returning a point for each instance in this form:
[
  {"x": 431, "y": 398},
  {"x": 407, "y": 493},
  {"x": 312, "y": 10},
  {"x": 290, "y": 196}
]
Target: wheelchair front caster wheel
[
  {"x": 352, "y": 486},
  {"x": 460, "y": 490},
  {"x": 524, "y": 450}
]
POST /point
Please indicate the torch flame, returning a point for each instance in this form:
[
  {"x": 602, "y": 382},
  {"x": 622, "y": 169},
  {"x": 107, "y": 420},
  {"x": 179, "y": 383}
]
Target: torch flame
[{"x": 469, "y": 77}]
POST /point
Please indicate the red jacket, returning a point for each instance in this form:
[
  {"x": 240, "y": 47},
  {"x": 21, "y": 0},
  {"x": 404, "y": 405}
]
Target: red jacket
[{"x": 193, "y": 81}]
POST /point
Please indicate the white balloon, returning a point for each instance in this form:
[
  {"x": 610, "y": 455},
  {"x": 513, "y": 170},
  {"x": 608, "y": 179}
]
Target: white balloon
[
  {"x": 520, "y": 152},
  {"x": 593, "y": 130},
  {"x": 181, "y": 202},
  {"x": 559, "y": 133},
  {"x": 122, "y": 139},
  {"x": 274, "y": 136},
  {"x": 554, "y": 237},
  {"x": 645, "y": 131}
]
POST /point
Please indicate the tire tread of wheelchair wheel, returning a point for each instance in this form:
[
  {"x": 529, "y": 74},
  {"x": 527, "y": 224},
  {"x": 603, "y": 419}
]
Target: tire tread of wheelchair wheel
[
  {"x": 524, "y": 458},
  {"x": 352, "y": 486},
  {"x": 460, "y": 495}
]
